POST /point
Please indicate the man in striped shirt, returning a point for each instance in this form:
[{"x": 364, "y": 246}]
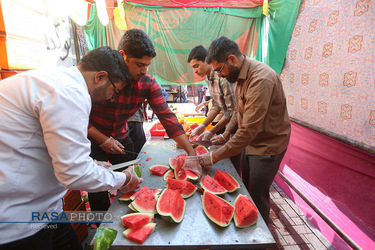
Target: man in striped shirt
[
  {"x": 108, "y": 129},
  {"x": 221, "y": 92}
]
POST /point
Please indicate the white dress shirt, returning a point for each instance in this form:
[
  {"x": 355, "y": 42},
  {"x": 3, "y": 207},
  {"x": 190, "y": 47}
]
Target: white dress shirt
[{"x": 44, "y": 149}]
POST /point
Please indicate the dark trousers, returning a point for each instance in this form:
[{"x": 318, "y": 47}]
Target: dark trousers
[
  {"x": 100, "y": 201},
  {"x": 57, "y": 236},
  {"x": 258, "y": 173},
  {"x": 137, "y": 135}
]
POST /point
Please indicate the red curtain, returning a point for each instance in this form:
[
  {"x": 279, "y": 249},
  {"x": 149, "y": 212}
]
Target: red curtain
[{"x": 202, "y": 3}]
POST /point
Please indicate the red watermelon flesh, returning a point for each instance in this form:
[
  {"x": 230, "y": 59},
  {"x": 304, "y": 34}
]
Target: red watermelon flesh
[
  {"x": 159, "y": 169},
  {"x": 140, "y": 234},
  {"x": 193, "y": 126},
  {"x": 171, "y": 205},
  {"x": 126, "y": 197},
  {"x": 226, "y": 180},
  {"x": 186, "y": 174},
  {"x": 217, "y": 209},
  {"x": 246, "y": 213},
  {"x": 211, "y": 185},
  {"x": 145, "y": 203},
  {"x": 194, "y": 138},
  {"x": 154, "y": 191},
  {"x": 135, "y": 220},
  {"x": 201, "y": 150},
  {"x": 185, "y": 188},
  {"x": 168, "y": 175}
]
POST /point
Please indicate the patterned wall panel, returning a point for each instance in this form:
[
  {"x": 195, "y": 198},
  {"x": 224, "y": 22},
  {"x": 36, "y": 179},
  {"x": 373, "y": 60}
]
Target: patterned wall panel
[{"x": 329, "y": 72}]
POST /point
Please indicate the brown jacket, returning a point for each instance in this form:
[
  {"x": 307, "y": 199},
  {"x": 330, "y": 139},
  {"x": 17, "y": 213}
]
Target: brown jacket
[{"x": 261, "y": 112}]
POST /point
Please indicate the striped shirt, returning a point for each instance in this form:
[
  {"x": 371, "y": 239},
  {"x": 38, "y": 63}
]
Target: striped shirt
[
  {"x": 222, "y": 93},
  {"x": 110, "y": 119}
]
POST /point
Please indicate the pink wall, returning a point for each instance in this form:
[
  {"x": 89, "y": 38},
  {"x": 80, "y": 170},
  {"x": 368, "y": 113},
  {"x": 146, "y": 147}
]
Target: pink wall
[
  {"x": 329, "y": 72},
  {"x": 337, "y": 178}
]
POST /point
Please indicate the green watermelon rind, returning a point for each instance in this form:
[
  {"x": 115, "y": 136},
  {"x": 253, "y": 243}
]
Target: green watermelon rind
[
  {"x": 221, "y": 224},
  {"x": 207, "y": 188},
  {"x": 166, "y": 215},
  {"x": 234, "y": 182},
  {"x": 132, "y": 208},
  {"x": 150, "y": 225},
  {"x": 236, "y": 219},
  {"x": 148, "y": 216}
]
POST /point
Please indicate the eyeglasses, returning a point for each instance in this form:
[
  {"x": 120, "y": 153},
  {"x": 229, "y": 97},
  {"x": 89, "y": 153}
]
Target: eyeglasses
[
  {"x": 117, "y": 94},
  {"x": 222, "y": 67}
]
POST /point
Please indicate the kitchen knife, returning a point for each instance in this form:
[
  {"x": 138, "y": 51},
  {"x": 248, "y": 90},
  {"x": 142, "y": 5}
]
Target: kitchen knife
[{"x": 124, "y": 164}]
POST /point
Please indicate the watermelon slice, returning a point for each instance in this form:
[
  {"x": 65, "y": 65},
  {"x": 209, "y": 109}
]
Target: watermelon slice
[
  {"x": 135, "y": 220},
  {"x": 226, "y": 180},
  {"x": 186, "y": 174},
  {"x": 211, "y": 185},
  {"x": 246, "y": 213},
  {"x": 171, "y": 205},
  {"x": 140, "y": 234},
  {"x": 185, "y": 188},
  {"x": 201, "y": 150},
  {"x": 126, "y": 197},
  {"x": 159, "y": 169},
  {"x": 168, "y": 175},
  {"x": 217, "y": 209},
  {"x": 172, "y": 162}
]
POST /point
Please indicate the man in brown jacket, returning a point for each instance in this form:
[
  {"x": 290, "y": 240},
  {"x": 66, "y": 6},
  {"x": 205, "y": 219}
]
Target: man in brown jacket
[{"x": 262, "y": 118}]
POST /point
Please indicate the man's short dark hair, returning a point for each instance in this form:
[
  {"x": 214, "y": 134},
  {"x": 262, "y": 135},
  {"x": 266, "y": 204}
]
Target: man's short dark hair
[
  {"x": 109, "y": 60},
  {"x": 221, "y": 48},
  {"x": 136, "y": 44},
  {"x": 198, "y": 53}
]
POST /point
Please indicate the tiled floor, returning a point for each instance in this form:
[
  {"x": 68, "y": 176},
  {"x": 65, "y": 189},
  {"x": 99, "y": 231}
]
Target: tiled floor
[{"x": 289, "y": 226}]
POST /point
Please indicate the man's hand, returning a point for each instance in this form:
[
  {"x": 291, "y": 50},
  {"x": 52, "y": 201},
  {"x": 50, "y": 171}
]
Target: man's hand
[
  {"x": 206, "y": 160},
  {"x": 112, "y": 146},
  {"x": 132, "y": 180},
  {"x": 192, "y": 164},
  {"x": 198, "y": 130},
  {"x": 219, "y": 140},
  {"x": 205, "y": 136},
  {"x": 103, "y": 164}
]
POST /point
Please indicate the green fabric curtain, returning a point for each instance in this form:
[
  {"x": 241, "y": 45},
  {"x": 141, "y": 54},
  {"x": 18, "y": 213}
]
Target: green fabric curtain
[
  {"x": 175, "y": 31},
  {"x": 275, "y": 32}
]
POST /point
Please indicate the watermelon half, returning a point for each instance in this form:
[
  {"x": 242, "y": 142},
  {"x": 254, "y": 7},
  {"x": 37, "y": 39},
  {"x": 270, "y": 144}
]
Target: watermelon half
[
  {"x": 140, "y": 234},
  {"x": 211, "y": 185},
  {"x": 217, "y": 209},
  {"x": 135, "y": 220},
  {"x": 226, "y": 180},
  {"x": 200, "y": 150},
  {"x": 246, "y": 213},
  {"x": 171, "y": 205},
  {"x": 186, "y": 174},
  {"x": 185, "y": 188},
  {"x": 159, "y": 169}
]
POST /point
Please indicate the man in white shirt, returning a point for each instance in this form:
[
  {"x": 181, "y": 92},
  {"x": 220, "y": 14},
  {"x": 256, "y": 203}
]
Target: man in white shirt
[{"x": 44, "y": 148}]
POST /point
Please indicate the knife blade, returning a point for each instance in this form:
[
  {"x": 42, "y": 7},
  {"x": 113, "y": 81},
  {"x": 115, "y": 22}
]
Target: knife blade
[
  {"x": 202, "y": 143},
  {"x": 124, "y": 164}
]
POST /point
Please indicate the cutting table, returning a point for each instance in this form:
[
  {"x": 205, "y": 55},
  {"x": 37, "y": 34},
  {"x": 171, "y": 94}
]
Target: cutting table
[{"x": 195, "y": 231}]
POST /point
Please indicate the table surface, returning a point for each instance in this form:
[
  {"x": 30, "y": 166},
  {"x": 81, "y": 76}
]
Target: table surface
[{"x": 195, "y": 230}]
